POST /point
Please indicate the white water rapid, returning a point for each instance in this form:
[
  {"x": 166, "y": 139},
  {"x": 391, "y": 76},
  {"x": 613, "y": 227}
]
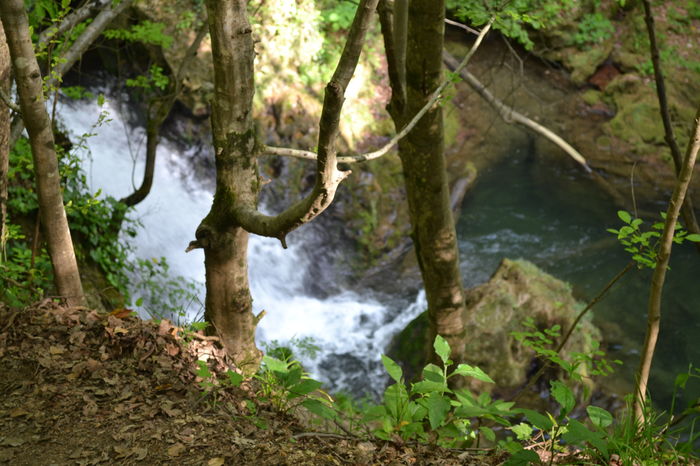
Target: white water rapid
[{"x": 352, "y": 331}]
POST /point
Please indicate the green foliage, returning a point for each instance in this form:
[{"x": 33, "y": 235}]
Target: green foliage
[
  {"x": 644, "y": 245},
  {"x": 593, "y": 28},
  {"x": 44, "y": 13},
  {"x": 512, "y": 18},
  {"x": 578, "y": 366},
  {"x": 146, "y": 32},
  {"x": 303, "y": 346},
  {"x": 429, "y": 410},
  {"x": 285, "y": 385},
  {"x": 162, "y": 295},
  {"x": 28, "y": 275},
  {"x": 338, "y": 16},
  {"x": 154, "y": 78}
]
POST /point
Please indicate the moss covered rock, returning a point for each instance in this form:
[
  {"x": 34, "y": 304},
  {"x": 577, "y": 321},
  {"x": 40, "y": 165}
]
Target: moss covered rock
[{"x": 517, "y": 291}]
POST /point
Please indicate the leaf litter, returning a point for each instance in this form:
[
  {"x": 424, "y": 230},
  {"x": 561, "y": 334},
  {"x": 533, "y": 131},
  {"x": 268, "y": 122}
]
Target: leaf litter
[{"x": 87, "y": 388}]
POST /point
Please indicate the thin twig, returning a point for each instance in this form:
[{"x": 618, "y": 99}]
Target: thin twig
[
  {"x": 8, "y": 101},
  {"x": 322, "y": 434},
  {"x": 308, "y": 155},
  {"x": 462, "y": 26}
]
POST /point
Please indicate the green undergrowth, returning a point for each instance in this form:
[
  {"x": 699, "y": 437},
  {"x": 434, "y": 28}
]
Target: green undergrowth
[
  {"x": 26, "y": 274},
  {"x": 429, "y": 411}
]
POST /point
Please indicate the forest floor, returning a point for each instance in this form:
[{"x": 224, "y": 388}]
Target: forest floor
[{"x": 82, "y": 387}]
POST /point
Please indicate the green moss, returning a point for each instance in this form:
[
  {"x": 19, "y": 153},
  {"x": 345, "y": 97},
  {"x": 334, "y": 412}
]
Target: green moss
[
  {"x": 592, "y": 97},
  {"x": 637, "y": 119},
  {"x": 517, "y": 291},
  {"x": 584, "y": 63}
]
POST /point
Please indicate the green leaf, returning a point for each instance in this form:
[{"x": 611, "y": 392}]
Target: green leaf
[
  {"x": 234, "y": 378},
  {"x": 538, "y": 420},
  {"x": 438, "y": 407},
  {"x": 681, "y": 380},
  {"x": 488, "y": 433},
  {"x": 275, "y": 365},
  {"x": 564, "y": 396},
  {"x": 319, "y": 408},
  {"x": 599, "y": 417},
  {"x": 304, "y": 387},
  {"x": 522, "y": 431},
  {"x": 523, "y": 457},
  {"x": 694, "y": 237},
  {"x": 472, "y": 371},
  {"x": 624, "y": 216},
  {"x": 428, "y": 386},
  {"x": 442, "y": 349},
  {"x": 393, "y": 369},
  {"x": 577, "y": 433},
  {"x": 433, "y": 373},
  {"x": 396, "y": 400}
]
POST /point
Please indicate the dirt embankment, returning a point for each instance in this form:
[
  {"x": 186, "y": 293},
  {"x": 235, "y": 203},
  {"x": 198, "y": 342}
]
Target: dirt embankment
[{"x": 84, "y": 388}]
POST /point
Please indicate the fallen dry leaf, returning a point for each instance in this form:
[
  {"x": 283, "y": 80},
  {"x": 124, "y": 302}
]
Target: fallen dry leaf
[{"x": 176, "y": 450}]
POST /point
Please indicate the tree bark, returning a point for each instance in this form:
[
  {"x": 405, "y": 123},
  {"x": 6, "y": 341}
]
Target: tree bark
[
  {"x": 422, "y": 157},
  {"x": 657, "y": 280},
  {"x": 228, "y": 302},
  {"x": 223, "y": 234},
  {"x": 51, "y": 209},
  {"x": 687, "y": 210},
  {"x": 5, "y": 84},
  {"x": 109, "y": 11}
]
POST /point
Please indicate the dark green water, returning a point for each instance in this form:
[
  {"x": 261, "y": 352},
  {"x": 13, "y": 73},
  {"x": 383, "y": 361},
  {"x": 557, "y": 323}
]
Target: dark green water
[{"x": 556, "y": 218}]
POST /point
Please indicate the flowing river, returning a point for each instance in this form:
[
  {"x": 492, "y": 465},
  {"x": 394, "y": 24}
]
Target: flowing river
[{"x": 519, "y": 208}]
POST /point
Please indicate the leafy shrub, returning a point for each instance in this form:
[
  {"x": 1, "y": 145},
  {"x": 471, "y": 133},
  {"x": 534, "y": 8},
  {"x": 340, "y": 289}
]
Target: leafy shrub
[{"x": 593, "y": 29}]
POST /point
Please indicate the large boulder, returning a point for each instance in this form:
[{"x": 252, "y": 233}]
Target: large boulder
[{"x": 517, "y": 291}]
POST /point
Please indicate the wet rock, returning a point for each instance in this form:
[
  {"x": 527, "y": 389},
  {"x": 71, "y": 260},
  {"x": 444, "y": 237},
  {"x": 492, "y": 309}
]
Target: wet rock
[{"x": 517, "y": 291}]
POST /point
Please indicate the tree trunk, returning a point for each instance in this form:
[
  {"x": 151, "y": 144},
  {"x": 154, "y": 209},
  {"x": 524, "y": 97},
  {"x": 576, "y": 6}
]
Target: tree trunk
[
  {"x": 51, "y": 209},
  {"x": 4, "y": 138},
  {"x": 425, "y": 176},
  {"x": 657, "y": 281},
  {"x": 223, "y": 234},
  {"x": 229, "y": 303}
]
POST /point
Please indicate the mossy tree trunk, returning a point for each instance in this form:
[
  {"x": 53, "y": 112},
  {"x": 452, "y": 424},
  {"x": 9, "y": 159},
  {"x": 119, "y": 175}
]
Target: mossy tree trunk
[
  {"x": 423, "y": 161},
  {"x": 5, "y": 85},
  {"x": 223, "y": 234},
  {"x": 31, "y": 98}
]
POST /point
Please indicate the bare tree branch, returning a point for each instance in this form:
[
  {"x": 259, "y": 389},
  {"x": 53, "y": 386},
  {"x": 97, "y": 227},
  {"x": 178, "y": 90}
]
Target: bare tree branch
[
  {"x": 462, "y": 26},
  {"x": 158, "y": 111},
  {"x": 308, "y": 155},
  {"x": 400, "y": 34},
  {"x": 512, "y": 116},
  {"x": 68, "y": 58},
  {"x": 70, "y": 21},
  {"x": 687, "y": 209},
  {"x": 396, "y": 79},
  {"x": 8, "y": 101},
  {"x": 328, "y": 176}
]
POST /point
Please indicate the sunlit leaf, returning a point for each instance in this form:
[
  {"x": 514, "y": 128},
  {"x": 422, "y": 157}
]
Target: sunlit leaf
[
  {"x": 599, "y": 417},
  {"x": 393, "y": 369},
  {"x": 472, "y": 371},
  {"x": 442, "y": 348}
]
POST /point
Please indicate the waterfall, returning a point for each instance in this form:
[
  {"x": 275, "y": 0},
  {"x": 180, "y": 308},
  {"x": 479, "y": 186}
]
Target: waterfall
[{"x": 351, "y": 330}]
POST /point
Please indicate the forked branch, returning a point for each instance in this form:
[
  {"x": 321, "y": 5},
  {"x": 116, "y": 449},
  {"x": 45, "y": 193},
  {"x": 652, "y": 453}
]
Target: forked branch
[{"x": 328, "y": 176}]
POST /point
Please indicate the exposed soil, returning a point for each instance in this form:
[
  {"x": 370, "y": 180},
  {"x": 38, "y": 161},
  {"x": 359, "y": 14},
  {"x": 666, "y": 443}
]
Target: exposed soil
[{"x": 80, "y": 387}]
